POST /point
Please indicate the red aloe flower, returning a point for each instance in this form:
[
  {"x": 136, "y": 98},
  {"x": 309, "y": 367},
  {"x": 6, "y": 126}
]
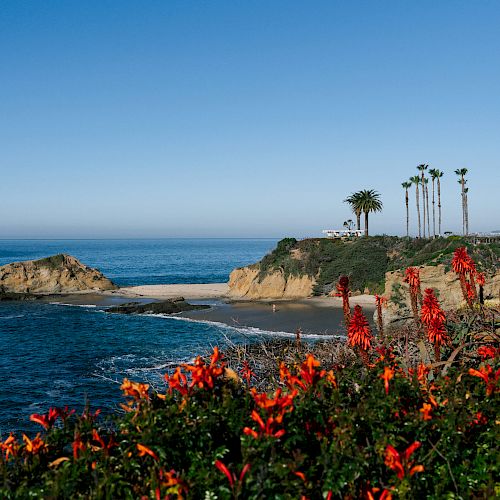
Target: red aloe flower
[
  {"x": 400, "y": 462},
  {"x": 412, "y": 277},
  {"x": 380, "y": 300},
  {"x": 202, "y": 375},
  {"x": 34, "y": 446},
  {"x": 386, "y": 376},
  {"x": 48, "y": 420},
  {"x": 464, "y": 265},
  {"x": 359, "y": 333},
  {"x": 78, "y": 445},
  {"x": 144, "y": 450},
  {"x": 135, "y": 390},
  {"x": 434, "y": 319},
  {"x": 101, "y": 444},
  {"x": 230, "y": 476},
  {"x": 431, "y": 308},
  {"x": 9, "y": 447},
  {"x": 426, "y": 411},
  {"x": 247, "y": 372},
  {"x": 490, "y": 378},
  {"x": 488, "y": 352},
  {"x": 177, "y": 381},
  {"x": 343, "y": 291}
]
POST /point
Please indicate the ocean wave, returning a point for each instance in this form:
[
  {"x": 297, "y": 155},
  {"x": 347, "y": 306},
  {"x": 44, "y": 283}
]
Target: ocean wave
[
  {"x": 13, "y": 316},
  {"x": 248, "y": 330},
  {"x": 91, "y": 306}
]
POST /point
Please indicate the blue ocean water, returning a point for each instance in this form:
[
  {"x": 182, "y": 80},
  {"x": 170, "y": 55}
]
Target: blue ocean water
[{"x": 56, "y": 355}]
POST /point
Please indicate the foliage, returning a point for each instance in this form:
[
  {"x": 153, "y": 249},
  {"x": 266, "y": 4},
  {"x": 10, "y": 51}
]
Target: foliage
[
  {"x": 366, "y": 260},
  {"x": 324, "y": 433}
]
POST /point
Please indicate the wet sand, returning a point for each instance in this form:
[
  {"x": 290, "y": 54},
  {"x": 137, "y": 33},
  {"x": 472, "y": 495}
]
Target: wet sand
[
  {"x": 305, "y": 314},
  {"x": 188, "y": 291}
]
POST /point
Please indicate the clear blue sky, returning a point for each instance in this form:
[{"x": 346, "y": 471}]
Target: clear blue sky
[{"x": 241, "y": 118}]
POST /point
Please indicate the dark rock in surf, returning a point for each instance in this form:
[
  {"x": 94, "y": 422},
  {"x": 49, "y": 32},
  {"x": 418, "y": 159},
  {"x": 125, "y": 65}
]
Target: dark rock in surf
[{"x": 170, "y": 306}]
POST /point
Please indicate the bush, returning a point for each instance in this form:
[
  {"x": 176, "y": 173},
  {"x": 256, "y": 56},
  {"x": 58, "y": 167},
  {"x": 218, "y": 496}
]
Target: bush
[{"x": 334, "y": 434}]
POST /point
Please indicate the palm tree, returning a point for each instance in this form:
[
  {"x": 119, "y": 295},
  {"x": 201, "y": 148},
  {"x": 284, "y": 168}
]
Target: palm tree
[
  {"x": 369, "y": 201},
  {"x": 439, "y": 174},
  {"x": 353, "y": 201},
  {"x": 466, "y": 190},
  {"x": 416, "y": 180},
  {"x": 462, "y": 172},
  {"x": 434, "y": 174},
  {"x": 406, "y": 185},
  {"x": 423, "y": 167},
  {"x": 348, "y": 224},
  {"x": 426, "y": 187}
]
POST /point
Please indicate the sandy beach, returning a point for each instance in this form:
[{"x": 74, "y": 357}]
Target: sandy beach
[
  {"x": 188, "y": 291},
  {"x": 199, "y": 291}
]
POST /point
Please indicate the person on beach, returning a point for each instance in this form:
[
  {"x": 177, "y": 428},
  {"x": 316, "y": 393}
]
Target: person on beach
[{"x": 274, "y": 308}]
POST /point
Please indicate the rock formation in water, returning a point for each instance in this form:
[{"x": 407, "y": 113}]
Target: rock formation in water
[
  {"x": 170, "y": 306},
  {"x": 53, "y": 275}
]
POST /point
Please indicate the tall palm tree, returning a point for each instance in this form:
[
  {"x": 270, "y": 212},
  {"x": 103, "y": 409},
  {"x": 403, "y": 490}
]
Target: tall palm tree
[
  {"x": 416, "y": 180},
  {"x": 426, "y": 187},
  {"x": 423, "y": 167},
  {"x": 406, "y": 185},
  {"x": 466, "y": 190},
  {"x": 353, "y": 201},
  {"x": 439, "y": 174},
  {"x": 462, "y": 172},
  {"x": 434, "y": 173},
  {"x": 369, "y": 201}
]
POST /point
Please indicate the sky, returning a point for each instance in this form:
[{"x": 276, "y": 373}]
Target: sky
[{"x": 240, "y": 118}]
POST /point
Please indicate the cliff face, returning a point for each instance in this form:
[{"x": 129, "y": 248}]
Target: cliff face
[
  {"x": 445, "y": 284},
  {"x": 57, "y": 274},
  {"x": 244, "y": 283}
]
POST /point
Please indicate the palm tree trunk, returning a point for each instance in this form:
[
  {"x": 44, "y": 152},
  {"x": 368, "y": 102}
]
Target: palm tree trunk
[
  {"x": 428, "y": 216},
  {"x": 366, "y": 223},
  {"x": 418, "y": 210},
  {"x": 433, "y": 211},
  {"x": 358, "y": 220},
  {"x": 439, "y": 205},
  {"x": 407, "y": 216},
  {"x": 463, "y": 206},
  {"x": 467, "y": 214},
  {"x": 423, "y": 199}
]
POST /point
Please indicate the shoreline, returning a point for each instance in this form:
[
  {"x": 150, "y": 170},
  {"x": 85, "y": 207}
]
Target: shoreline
[{"x": 219, "y": 291}]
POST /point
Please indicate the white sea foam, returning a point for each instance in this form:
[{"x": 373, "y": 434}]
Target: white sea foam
[
  {"x": 92, "y": 306},
  {"x": 14, "y": 316},
  {"x": 248, "y": 330}
]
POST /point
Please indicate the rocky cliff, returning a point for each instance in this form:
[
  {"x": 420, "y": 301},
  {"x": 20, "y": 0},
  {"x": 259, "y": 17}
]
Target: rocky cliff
[
  {"x": 57, "y": 274},
  {"x": 445, "y": 284},
  {"x": 246, "y": 283}
]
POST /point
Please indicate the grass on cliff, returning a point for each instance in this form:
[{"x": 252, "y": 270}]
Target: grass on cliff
[{"x": 366, "y": 260}]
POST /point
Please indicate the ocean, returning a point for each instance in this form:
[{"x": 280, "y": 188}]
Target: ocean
[{"x": 53, "y": 354}]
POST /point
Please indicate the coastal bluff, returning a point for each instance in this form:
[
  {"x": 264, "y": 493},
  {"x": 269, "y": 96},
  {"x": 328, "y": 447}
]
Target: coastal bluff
[
  {"x": 245, "y": 283},
  {"x": 52, "y": 275}
]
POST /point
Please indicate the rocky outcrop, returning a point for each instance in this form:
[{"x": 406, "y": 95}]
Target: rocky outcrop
[
  {"x": 445, "y": 284},
  {"x": 52, "y": 275},
  {"x": 170, "y": 306},
  {"x": 246, "y": 283}
]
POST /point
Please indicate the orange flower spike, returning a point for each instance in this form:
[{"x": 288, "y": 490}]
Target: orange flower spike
[
  {"x": 431, "y": 309},
  {"x": 359, "y": 332},
  {"x": 426, "y": 411},
  {"x": 48, "y": 420},
  {"x": 412, "y": 277},
  {"x": 144, "y": 450},
  {"x": 386, "y": 376},
  {"x": 462, "y": 263},
  {"x": 488, "y": 352}
]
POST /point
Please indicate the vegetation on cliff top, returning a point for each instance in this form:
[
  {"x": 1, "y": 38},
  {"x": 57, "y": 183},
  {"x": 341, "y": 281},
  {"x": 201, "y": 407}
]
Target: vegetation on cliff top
[{"x": 366, "y": 260}]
